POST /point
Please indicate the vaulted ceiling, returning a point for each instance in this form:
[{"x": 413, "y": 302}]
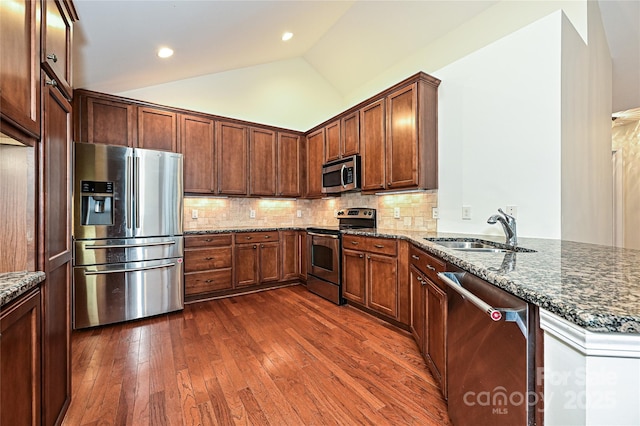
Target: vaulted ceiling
[{"x": 344, "y": 41}]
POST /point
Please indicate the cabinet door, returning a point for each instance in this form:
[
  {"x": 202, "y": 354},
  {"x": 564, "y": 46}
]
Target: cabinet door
[
  {"x": 354, "y": 276},
  {"x": 198, "y": 150},
  {"x": 262, "y": 162},
  {"x": 350, "y": 127},
  {"x": 20, "y": 352},
  {"x": 56, "y": 43},
  {"x": 269, "y": 265},
  {"x": 332, "y": 142},
  {"x": 302, "y": 249},
  {"x": 382, "y": 279},
  {"x": 289, "y": 248},
  {"x": 402, "y": 138},
  {"x": 157, "y": 129},
  {"x": 315, "y": 156},
  {"x": 372, "y": 130},
  {"x": 289, "y": 163},
  {"x": 246, "y": 264},
  {"x": 19, "y": 66},
  {"x": 231, "y": 158},
  {"x": 417, "y": 305},
  {"x": 435, "y": 345},
  {"x": 55, "y": 239},
  {"x": 107, "y": 122}
]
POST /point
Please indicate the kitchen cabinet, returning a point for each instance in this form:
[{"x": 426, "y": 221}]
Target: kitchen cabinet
[
  {"x": 291, "y": 243},
  {"x": 315, "y": 157},
  {"x": 207, "y": 264},
  {"x": 54, "y": 231},
  {"x": 289, "y": 165},
  {"x": 20, "y": 361},
  {"x": 262, "y": 162},
  {"x": 20, "y": 66},
  {"x": 429, "y": 312},
  {"x": 157, "y": 129},
  {"x": 232, "y": 158},
  {"x": 257, "y": 258},
  {"x": 370, "y": 274},
  {"x": 57, "y": 28},
  {"x": 332, "y": 145},
  {"x": 372, "y": 128},
  {"x": 197, "y": 145},
  {"x": 350, "y": 134},
  {"x": 104, "y": 119}
]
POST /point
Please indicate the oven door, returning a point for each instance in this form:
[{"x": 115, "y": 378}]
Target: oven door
[{"x": 324, "y": 257}]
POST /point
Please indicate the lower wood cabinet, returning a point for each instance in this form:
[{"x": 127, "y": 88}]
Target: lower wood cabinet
[
  {"x": 428, "y": 319},
  {"x": 370, "y": 276},
  {"x": 257, "y": 258},
  {"x": 20, "y": 361},
  {"x": 207, "y": 264}
]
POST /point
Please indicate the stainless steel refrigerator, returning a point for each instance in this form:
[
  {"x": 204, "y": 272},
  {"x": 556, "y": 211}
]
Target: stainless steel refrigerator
[{"x": 128, "y": 244}]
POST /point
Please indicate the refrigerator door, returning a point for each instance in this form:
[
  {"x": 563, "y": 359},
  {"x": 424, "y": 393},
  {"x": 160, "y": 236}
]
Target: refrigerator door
[
  {"x": 158, "y": 193},
  {"x": 105, "y": 294},
  {"x": 102, "y": 204}
]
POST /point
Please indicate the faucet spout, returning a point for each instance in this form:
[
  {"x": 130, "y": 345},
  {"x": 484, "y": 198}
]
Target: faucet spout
[{"x": 508, "y": 223}]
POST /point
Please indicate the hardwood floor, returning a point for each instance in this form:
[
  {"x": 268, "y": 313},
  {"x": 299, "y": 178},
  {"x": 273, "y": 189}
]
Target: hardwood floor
[{"x": 280, "y": 357}]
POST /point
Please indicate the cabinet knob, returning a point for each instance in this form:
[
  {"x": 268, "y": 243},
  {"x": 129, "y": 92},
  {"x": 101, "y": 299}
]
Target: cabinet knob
[
  {"x": 53, "y": 57},
  {"x": 368, "y": 257},
  {"x": 361, "y": 256},
  {"x": 255, "y": 246},
  {"x": 388, "y": 183},
  {"x": 261, "y": 245}
]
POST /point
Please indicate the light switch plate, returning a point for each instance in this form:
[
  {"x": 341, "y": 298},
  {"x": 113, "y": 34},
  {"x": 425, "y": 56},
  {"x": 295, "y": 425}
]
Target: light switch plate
[
  {"x": 252, "y": 214},
  {"x": 194, "y": 214},
  {"x": 434, "y": 213},
  {"x": 466, "y": 212},
  {"x": 299, "y": 213},
  {"x": 396, "y": 212},
  {"x": 512, "y": 211}
]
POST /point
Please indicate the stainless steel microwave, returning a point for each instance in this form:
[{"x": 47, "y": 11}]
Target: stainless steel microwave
[{"x": 341, "y": 175}]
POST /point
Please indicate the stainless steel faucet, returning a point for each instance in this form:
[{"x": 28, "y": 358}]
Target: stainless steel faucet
[{"x": 508, "y": 223}]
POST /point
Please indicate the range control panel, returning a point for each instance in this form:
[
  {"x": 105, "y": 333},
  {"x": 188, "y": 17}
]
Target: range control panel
[{"x": 356, "y": 213}]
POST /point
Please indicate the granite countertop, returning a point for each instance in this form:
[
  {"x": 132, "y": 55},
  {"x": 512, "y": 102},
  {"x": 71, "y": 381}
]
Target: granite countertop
[
  {"x": 15, "y": 284},
  {"x": 595, "y": 287}
]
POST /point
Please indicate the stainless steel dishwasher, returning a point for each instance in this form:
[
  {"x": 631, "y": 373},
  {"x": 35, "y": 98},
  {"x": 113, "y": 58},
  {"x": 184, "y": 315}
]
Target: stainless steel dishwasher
[{"x": 490, "y": 360}]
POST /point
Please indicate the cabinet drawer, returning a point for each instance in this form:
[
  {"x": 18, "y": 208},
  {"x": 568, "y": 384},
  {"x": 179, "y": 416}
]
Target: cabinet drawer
[
  {"x": 207, "y": 258},
  {"x": 207, "y": 240},
  {"x": 206, "y": 282},
  {"x": 387, "y": 246},
  {"x": 255, "y": 237},
  {"x": 426, "y": 263}
]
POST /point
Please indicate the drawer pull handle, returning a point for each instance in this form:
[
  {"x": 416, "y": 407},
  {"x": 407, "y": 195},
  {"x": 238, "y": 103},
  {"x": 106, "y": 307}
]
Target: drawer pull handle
[
  {"x": 208, "y": 281},
  {"x": 248, "y": 238},
  {"x": 378, "y": 246},
  {"x": 355, "y": 243},
  {"x": 208, "y": 258},
  {"x": 413, "y": 256},
  {"x": 431, "y": 268},
  {"x": 267, "y": 236},
  {"x": 208, "y": 240},
  {"x": 51, "y": 82}
]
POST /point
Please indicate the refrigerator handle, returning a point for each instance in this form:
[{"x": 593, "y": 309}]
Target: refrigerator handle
[
  {"x": 128, "y": 193},
  {"x": 136, "y": 205},
  {"x": 119, "y": 271}
]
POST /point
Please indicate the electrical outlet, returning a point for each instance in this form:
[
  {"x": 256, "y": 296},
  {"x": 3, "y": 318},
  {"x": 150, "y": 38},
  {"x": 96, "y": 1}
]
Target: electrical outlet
[
  {"x": 466, "y": 212},
  {"x": 194, "y": 214},
  {"x": 512, "y": 211},
  {"x": 299, "y": 213},
  {"x": 434, "y": 213},
  {"x": 396, "y": 212},
  {"x": 252, "y": 213}
]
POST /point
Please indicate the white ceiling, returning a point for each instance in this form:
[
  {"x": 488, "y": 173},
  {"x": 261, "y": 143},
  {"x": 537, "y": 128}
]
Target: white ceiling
[{"x": 115, "y": 41}]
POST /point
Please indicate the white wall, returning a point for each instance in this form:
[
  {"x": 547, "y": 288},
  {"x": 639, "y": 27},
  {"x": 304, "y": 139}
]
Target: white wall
[
  {"x": 287, "y": 93},
  {"x": 587, "y": 179}
]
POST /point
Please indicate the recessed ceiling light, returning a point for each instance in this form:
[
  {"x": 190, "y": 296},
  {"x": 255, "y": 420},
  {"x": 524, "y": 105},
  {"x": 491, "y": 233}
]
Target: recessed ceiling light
[
  {"x": 287, "y": 36},
  {"x": 165, "y": 52}
]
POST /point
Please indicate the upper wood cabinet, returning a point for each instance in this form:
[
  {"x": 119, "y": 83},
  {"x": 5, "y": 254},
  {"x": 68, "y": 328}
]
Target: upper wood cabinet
[
  {"x": 19, "y": 65},
  {"x": 372, "y": 130},
  {"x": 197, "y": 145},
  {"x": 262, "y": 162},
  {"x": 104, "y": 120},
  {"x": 332, "y": 145},
  {"x": 350, "y": 134},
  {"x": 315, "y": 148},
  {"x": 57, "y": 19},
  {"x": 157, "y": 129},
  {"x": 289, "y": 165},
  {"x": 231, "y": 158}
]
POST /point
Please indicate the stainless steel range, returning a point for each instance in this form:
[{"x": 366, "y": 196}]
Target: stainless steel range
[{"x": 324, "y": 264}]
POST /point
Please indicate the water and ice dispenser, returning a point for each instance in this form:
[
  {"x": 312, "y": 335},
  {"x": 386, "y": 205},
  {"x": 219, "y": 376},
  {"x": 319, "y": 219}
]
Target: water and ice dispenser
[{"x": 97, "y": 203}]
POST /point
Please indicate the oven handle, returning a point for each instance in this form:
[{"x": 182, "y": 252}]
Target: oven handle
[
  {"x": 315, "y": 234},
  {"x": 118, "y": 271}
]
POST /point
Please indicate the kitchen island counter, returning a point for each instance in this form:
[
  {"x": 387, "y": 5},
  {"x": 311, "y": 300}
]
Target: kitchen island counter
[{"x": 15, "y": 284}]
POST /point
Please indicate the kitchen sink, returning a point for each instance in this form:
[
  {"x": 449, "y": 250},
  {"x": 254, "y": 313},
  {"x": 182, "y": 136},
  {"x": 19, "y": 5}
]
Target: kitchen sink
[{"x": 477, "y": 245}]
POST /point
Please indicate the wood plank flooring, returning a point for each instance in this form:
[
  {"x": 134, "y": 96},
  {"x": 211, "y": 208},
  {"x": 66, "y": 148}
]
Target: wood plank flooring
[{"x": 279, "y": 357}]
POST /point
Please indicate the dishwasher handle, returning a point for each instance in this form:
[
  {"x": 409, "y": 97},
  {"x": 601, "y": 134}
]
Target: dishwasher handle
[{"x": 494, "y": 314}]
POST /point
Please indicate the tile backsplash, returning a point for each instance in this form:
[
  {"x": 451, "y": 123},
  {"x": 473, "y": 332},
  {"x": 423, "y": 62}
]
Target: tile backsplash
[{"x": 217, "y": 213}]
